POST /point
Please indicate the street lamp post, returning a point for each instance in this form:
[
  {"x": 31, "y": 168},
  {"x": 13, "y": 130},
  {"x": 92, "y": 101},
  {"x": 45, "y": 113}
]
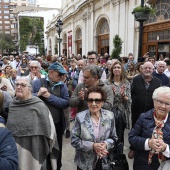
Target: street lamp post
[
  {"x": 140, "y": 34},
  {"x": 36, "y": 49},
  {"x": 59, "y": 29}
]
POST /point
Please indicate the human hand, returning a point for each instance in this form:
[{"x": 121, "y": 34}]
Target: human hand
[
  {"x": 81, "y": 94},
  {"x": 38, "y": 74},
  {"x": 100, "y": 149},
  {"x": 122, "y": 90},
  {"x": 4, "y": 88},
  {"x": 157, "y": 144},
  {"x": 114, "y": 89},
  {"x": 42, "y": 91},
  {"x": 162, "y": 146}
]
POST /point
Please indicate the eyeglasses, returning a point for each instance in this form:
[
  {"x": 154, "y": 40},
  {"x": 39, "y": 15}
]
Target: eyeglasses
[
  {"x": 63, "y": 59},
  {"x": 97, "y": 101},
  {"x": 161, "y": 103},
  {"x": 91, "y": 59},
  {"x": 22, "y": 85},
  {"x": 34, "y": 67},
  {"x": 16, "y": 58}
]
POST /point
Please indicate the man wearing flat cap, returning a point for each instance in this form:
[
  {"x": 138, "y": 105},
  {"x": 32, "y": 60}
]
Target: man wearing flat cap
[{"x": 55, "y": 95}]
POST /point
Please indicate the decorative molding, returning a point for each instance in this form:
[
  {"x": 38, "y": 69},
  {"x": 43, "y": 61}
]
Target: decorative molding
[{"x": 86, "y": 16}]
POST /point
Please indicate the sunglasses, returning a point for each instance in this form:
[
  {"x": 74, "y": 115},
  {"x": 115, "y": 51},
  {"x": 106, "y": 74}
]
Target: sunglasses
[
  {"x": 34, "y": 67},
  {"x": 63, "y": 59},
  {"x": 22, "y": 85},
  {"x": 97, "y": 101}
]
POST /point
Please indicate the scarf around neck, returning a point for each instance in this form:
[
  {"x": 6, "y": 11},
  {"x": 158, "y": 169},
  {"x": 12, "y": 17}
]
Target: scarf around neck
[{"x": 157, "y": 134}]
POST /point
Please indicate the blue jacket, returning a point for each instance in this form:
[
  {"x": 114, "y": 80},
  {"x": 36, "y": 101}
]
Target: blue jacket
[
  {"x": 58, "y": 100},
  {"x": 141, "y": 131},
  {"x": 8, "y": 149}
]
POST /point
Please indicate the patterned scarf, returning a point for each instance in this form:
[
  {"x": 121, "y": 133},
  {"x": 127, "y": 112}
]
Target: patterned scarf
[{"x": 157, "y": 134}]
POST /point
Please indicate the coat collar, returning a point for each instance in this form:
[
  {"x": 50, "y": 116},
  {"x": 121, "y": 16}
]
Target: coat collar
[{"x": 89, "y": 124}]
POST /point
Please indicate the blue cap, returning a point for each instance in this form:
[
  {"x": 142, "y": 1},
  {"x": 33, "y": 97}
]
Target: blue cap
[{"x": 58, "y": 67}]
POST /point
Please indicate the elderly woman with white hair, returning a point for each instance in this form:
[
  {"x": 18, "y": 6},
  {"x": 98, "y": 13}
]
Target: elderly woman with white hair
[
  {"x": 32, "y": 126},
  {"x": 35, "y": 67},
  {"x": 151, "y": 133}
]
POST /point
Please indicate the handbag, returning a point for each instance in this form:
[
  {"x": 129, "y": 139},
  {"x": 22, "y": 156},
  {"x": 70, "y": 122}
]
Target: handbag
[{"x": 116, "y": 160}]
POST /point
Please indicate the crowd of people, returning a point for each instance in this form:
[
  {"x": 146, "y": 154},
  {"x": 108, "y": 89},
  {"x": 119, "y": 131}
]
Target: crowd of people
[{"x": 40, "y": 96}]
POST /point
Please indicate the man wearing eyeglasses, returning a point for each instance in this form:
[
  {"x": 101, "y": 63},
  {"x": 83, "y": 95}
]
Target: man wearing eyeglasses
[
  {"x": 91, "y": 75},
  {"x": 91, "y": 60},
  {"x": 55, "y": 95}
]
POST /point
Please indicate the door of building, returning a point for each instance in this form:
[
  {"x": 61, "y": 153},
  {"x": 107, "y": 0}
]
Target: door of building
[
  {"x": 79, "y": 47},
  {"x": 103, "y": 44},
  {"x": 156, "y": 39}
]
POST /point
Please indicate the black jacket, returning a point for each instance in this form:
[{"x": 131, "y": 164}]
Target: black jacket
[{"x": 142, "y": 97}]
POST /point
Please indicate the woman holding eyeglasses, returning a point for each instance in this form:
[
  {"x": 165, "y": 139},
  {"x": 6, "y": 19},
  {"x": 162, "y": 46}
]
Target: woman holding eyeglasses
[
  {"x": 93, "y": 133},
  {"x": 35, "y": 71},
  {"x": 122, "y": 99},
  {"x": 31, "y": 124},
  {"x": 151, "y": 133}
]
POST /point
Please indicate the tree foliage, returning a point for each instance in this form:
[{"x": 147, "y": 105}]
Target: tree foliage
[
  {"x": 6, "y": 43},
  {"x": 31, "y": 31},
  {"x": 117, "y": 43}
]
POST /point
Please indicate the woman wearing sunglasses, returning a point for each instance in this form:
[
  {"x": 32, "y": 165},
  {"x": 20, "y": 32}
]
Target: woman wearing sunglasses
[{"x": 93, "y": 133}]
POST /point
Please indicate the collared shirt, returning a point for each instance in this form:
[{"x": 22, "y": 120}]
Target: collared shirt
[{"x": 167, "y": 72}]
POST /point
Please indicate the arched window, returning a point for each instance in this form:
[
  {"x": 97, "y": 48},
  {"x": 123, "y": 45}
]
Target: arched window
[
  {"x": 78, "y": 34},
  {"x": 103, "y": 27},
  {"x": 162, "y": 8}
]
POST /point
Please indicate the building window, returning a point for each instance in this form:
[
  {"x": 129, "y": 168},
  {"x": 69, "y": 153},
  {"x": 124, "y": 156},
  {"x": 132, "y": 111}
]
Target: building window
[
  {"x": 162, "y": 11},
  {"x": 159, "y": 35},
  {"x": 6, "y": 17},
  {"x": 6, "y": 6},
  {"x": 7, "y": 22},
  {"x": 7, "y": 32},
  {"x": 6, "y": 0},
  {"x": 6, "y": 12},
  {"x": 7, "y": 27}
]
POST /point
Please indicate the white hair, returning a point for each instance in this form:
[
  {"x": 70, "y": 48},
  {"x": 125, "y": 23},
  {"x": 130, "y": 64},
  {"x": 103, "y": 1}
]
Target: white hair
[
  {"x": 161, "y": 90},
  {"x": 161, "y": 62},
  {"x": 36, "y": 63},
  {"x": 27, "y": 79}
]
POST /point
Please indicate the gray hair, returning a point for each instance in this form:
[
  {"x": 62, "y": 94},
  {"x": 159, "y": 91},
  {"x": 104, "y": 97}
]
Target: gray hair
[
  {"x": 27, "y": 79},
  {"x": 161, "y": 90},
  {"x": 36, "y": 63},
  {"x": 94, "y": 70},
  {"x": 161, "y": 62}
]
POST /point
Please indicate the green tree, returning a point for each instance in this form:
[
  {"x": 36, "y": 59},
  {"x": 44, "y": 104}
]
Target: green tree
[
  {"x": 117, "y": 43},
  {"x": 31, "y": 30},
  {"x": 6, "y": 43}
]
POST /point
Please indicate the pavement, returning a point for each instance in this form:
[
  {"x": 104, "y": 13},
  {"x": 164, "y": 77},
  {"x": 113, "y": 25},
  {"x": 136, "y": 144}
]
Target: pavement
[{"x": 69, "y": 152}]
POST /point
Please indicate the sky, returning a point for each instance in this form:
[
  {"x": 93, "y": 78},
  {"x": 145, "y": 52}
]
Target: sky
[{"x": 50, "y": 3}]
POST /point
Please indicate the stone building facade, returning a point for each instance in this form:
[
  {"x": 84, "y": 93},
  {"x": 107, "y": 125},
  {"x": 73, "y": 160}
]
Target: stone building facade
[{"x": 92, "y": 24}]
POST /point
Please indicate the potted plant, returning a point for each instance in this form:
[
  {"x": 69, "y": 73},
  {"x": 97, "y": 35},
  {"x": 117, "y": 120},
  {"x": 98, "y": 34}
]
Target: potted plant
[{"x": 142, "y": 12}]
